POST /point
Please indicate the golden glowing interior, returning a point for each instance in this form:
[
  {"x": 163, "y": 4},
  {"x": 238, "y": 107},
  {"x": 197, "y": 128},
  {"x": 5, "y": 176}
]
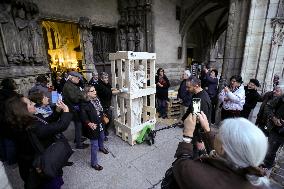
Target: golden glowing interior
[{"x": 63, "y": 45}]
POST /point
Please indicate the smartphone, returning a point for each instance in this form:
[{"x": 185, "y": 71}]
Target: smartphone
[
  {"x": 55, "y": 96},
  {"x": 196, "y": 104}
]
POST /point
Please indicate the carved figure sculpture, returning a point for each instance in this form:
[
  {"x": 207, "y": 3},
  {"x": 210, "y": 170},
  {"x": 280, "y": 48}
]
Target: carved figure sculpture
[
  {"x": 122, "y": 39},
  {"x": 25, "y": 43},
  {"x": 131, "y": 39},
  {"x": 9, "y": 34},
  {"x": 36, "y": 38},
  {"x": 139, "y": 40}
]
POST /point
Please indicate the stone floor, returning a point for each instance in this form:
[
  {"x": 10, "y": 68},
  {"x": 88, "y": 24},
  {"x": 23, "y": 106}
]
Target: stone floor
[{"x": 126, "y": 167}]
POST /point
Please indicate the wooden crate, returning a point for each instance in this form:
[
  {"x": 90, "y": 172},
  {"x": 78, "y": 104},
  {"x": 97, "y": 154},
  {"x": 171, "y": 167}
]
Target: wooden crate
[{"x": 134, "y": 107}]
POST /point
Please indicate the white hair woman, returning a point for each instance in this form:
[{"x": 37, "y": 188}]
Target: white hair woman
[{"x": 240, "y": 147}]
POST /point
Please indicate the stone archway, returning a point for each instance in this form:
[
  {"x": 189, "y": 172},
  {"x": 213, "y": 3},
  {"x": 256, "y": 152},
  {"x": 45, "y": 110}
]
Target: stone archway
[{"x": 202, "y": 24}]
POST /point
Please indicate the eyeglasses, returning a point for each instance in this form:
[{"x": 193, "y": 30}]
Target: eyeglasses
[{"x": 92, "y": 91}]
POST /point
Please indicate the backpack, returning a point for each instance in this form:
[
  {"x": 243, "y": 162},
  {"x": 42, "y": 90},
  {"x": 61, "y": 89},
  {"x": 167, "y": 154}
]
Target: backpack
[{"x": 169, "y": 182}]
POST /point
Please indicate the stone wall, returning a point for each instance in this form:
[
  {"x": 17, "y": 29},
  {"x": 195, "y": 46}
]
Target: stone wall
[
  {"x": 263, "y": 55},
  {"x": 167, "y": 39},
  {"x": 100, "y": 12}
]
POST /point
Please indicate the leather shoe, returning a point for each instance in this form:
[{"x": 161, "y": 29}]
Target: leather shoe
[
  {"x": 69, "y": 163},
  {"x": 105, "y": 151},
  {"x": 82, "y": 139},
  {"x": 83, "y": 146},
  {"x": 97, "y": 167}
]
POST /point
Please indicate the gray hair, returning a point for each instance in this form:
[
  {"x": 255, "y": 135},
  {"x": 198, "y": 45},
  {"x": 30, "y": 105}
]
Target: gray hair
[
  {"x": 95, "y": 72},
  {"x": 245, "y": 145},
  {"x": 187, "y": 72}
]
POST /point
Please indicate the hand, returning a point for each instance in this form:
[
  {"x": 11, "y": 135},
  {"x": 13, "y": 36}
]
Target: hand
[
  {"x": 203, "y": 121},
  {"x": 200, "y": 145},
  {"x": 189, "y": 125},
  {"x": 62, "y": 106},
  {"x": 92, "y": 125},
  {"x": 159, "y": 84},
  {"x": 115, "y": 91},
  {"x": 276, "y": 121},
  {"x": 226, "y": 89}
]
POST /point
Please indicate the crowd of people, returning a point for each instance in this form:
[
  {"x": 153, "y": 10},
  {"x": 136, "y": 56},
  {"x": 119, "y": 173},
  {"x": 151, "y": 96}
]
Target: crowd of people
[
  {"x": 242, "y": 152},
  {"x": 32, "y": 127}
]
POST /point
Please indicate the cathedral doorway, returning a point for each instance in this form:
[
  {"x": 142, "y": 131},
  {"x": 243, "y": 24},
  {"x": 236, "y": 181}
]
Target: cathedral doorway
[{"x": 62, "y": 41}]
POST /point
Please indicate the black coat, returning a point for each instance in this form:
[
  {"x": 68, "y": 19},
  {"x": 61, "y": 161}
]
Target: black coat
[
  {"x": 162, "y": 92},
  {"x": 261, "y": 117},
  {"x": 211, "y": 85},
  {"x": 89, "y": 115},
  {"x": 46, "y": 135},
  {"x": 252, "y": 97},
  {"x": 104, "y": 93}
]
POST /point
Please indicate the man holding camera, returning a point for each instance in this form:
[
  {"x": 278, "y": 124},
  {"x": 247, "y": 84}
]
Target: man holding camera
[{"x": 193, "y": 85}]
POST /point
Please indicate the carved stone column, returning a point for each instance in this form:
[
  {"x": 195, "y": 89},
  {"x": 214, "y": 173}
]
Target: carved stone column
[
  {"x": 235, "y": 37},
  {"x": 149, "y": 26},
  {"x": 87, "y": 47},
  {"x": 276, "y": 43}
]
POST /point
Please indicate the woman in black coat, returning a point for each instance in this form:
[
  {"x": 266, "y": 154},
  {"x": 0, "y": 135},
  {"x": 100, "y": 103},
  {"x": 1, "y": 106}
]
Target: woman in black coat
[
  {"x": 91, "y": 114},
  {"x": 162, "y": 89},
  {"x": 19, "y": 116}
]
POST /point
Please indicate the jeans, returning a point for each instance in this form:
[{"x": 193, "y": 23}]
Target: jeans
[
  {"x": 162, "y": 107},
  {"x": 96, "y": 144},
  {"x": 275, "y": 141}
]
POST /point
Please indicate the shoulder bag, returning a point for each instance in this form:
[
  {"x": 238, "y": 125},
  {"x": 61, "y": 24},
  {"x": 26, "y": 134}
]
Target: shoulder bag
[{"x": 50, "y": 161}]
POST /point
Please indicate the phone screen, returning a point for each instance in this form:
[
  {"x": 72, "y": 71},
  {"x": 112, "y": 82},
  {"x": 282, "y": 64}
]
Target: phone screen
[
  {"x": 55, "y": 96},
  {"x": 196, "y": 103}
]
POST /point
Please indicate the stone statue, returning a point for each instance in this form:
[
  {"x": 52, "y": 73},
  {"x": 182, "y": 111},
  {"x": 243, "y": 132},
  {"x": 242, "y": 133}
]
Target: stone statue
[
  {"x": 36, "y": 37},
  {"x": 139, "y": 40},
  {"x": 137, "y": 105},
  {"x": 122, "y": 39},
  {"x": 130, "y": 39},
  {"x": 140, "y": 77},
  {"x": 9, "y": 34},
  {"x": 25, "y": 43}
]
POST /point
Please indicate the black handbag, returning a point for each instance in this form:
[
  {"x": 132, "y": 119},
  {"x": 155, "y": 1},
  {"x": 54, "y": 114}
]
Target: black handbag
[
  {"x": 50, "y": 161},
  {"x": 169, "y": 182}
]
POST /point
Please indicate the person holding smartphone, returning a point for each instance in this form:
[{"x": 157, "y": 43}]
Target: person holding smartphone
[{"x": 200, "y": 102}]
